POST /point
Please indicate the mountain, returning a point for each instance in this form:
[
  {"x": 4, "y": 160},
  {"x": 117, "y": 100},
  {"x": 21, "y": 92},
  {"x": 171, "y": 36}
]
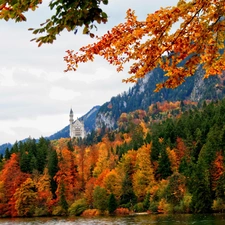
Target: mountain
[
  {"x": 142, "y": 95},
  {"x": 4, "y": 147}
]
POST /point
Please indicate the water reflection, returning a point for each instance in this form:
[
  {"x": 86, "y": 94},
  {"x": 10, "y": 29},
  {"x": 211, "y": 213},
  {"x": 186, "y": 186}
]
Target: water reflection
[{"x": 210, "y": 219}]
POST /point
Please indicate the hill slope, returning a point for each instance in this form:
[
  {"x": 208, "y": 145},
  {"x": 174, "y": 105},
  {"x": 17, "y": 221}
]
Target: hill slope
[{"x": 142, "y": 95}]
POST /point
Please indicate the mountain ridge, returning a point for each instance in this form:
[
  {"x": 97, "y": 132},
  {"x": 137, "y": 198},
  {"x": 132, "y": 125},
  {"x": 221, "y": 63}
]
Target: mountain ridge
[{"x": 142, "y": 95}]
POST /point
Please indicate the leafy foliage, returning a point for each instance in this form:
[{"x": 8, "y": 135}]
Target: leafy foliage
[
  {"x": 198, "y": 40},
  {"x": 78, "y": 207},
  {"x": 67, "y": 15}
]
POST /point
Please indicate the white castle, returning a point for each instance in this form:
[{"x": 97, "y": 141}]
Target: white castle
[{"x": 76, "y": 127}]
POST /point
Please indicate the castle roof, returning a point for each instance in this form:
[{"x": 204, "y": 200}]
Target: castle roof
[{"x": 77, "y": 123}]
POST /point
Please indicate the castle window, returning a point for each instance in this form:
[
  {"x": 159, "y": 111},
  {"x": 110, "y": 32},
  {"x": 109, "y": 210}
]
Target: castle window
[{"x": 78, "y": 132}]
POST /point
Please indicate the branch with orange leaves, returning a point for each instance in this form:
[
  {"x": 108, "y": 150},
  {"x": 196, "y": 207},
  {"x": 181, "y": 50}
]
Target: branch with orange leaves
[{"x": 151, "y": 43}]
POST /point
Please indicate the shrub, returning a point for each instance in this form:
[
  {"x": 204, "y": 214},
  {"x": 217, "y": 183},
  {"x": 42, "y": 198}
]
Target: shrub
[
  {"x": 153, "y": 206},
  {"x": 164, "y": 207},
  {"x": 139, "y": 207},
  {"x": 122, "y": 211},
  {"x": 127, "y": 205},
  {"x": 58, "y": 211},
  {"x": 184, "y": 206},
  {"x": 218, "y": 205},
  {"x": 91, "y": 212},
  {"x": 78, "y": 207},
  {"x": 42, "y": 211}
]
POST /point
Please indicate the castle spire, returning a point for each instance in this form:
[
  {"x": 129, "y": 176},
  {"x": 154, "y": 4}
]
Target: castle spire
[{"x": 71, "y": 121}]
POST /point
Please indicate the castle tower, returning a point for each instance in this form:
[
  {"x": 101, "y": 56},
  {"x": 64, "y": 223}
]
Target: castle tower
[
  {"x": 76, "y": 127},
  {"x": 71, "y": 122}
]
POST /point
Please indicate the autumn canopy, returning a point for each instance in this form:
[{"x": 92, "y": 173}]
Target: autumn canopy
[
  {"x": 153, "y": 42},
  {"x": 178, "y": 38}
]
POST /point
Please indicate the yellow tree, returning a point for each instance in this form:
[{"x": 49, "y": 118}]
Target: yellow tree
[
  {"x": 156, "y": 41},
  {"x": 143, "y": 178},
  {"x": 173, "y": 159},
  {"x": 113, "y": 183},
  {"x": 26, "y": 198},
  {"x": 44, "y": 190},
  {"x": 106, "y": 160}
]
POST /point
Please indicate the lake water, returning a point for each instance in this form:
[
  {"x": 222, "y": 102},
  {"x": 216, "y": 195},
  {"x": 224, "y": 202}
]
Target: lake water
[{"x": 210, "y": 219}]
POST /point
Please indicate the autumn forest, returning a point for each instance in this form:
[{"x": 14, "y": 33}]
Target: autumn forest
[{"x": 167, "y": 159}]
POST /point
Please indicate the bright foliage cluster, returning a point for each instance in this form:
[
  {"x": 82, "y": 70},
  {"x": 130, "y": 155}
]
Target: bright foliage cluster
[
  {"x": 157, "y": 42},
  {"x": 161, "y": 160},
  {"x": 199, "y": 38}
]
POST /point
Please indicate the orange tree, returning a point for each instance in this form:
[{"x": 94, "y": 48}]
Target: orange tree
[
  {"x": 199, "y": 39},
  {"x": 192, "y": 32}
]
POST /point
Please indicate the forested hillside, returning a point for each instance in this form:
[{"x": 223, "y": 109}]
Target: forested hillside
[
  {"x": 163, "y": 159},
  {"x": 142, "y": 94}
]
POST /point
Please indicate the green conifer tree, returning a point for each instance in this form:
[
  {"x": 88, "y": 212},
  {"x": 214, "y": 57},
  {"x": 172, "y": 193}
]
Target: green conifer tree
[{"x": 112, "y": 204}]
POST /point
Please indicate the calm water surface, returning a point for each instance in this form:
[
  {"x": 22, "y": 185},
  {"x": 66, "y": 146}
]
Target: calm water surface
[{"x": 215, "y": 219}]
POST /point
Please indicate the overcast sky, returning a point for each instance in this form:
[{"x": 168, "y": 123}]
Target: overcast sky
[{"x": 35, "y": 94}]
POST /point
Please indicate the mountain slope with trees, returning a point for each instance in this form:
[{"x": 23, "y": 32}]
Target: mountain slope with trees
[
  {"x": 163, "y": 159},
  {"x": 142, "y": 94}
]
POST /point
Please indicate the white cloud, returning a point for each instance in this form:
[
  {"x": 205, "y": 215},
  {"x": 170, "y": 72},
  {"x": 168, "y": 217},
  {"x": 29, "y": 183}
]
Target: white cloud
[
  {"x": 62, "y": 94},
  {"x": 6, "y": 78}
]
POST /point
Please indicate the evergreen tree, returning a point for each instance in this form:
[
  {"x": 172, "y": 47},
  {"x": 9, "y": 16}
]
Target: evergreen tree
[
  {"x": 146, "y": 202},
  {"x": 24, "y": 162},
  {"x": 62, "y": 198},
  {"x": 100, "y": 198},
  {"x": 112, "y": 204},
  {"x": 32, "y": 162},
  {"x": 15, "y": 148},
  {"x": 128, "y": 195},
  {"x": 220, "y": 190},
  {"x": 1, "y": 157},
  {"x": 137, "y": 137},
  {"x": 164, "y": 167},
  {"x": 7, "y": 154},
  {"x": 148, "y": 138},
  {"x": 201, "y": 193},
  {"x": 42, "y": 151},
  {"x": 53, "y": 169},
  {"x": 70, "y": 145},
  {"x": 156, "y": 148}
]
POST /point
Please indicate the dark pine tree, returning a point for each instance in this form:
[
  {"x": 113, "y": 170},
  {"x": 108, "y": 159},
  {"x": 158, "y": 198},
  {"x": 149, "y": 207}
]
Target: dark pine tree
[
  {"x": 112, "y": 204},
  {"x": 164, "y": 168},
  {"x": 53, "y": 169},
  {"x": 201, "y": 193}
]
